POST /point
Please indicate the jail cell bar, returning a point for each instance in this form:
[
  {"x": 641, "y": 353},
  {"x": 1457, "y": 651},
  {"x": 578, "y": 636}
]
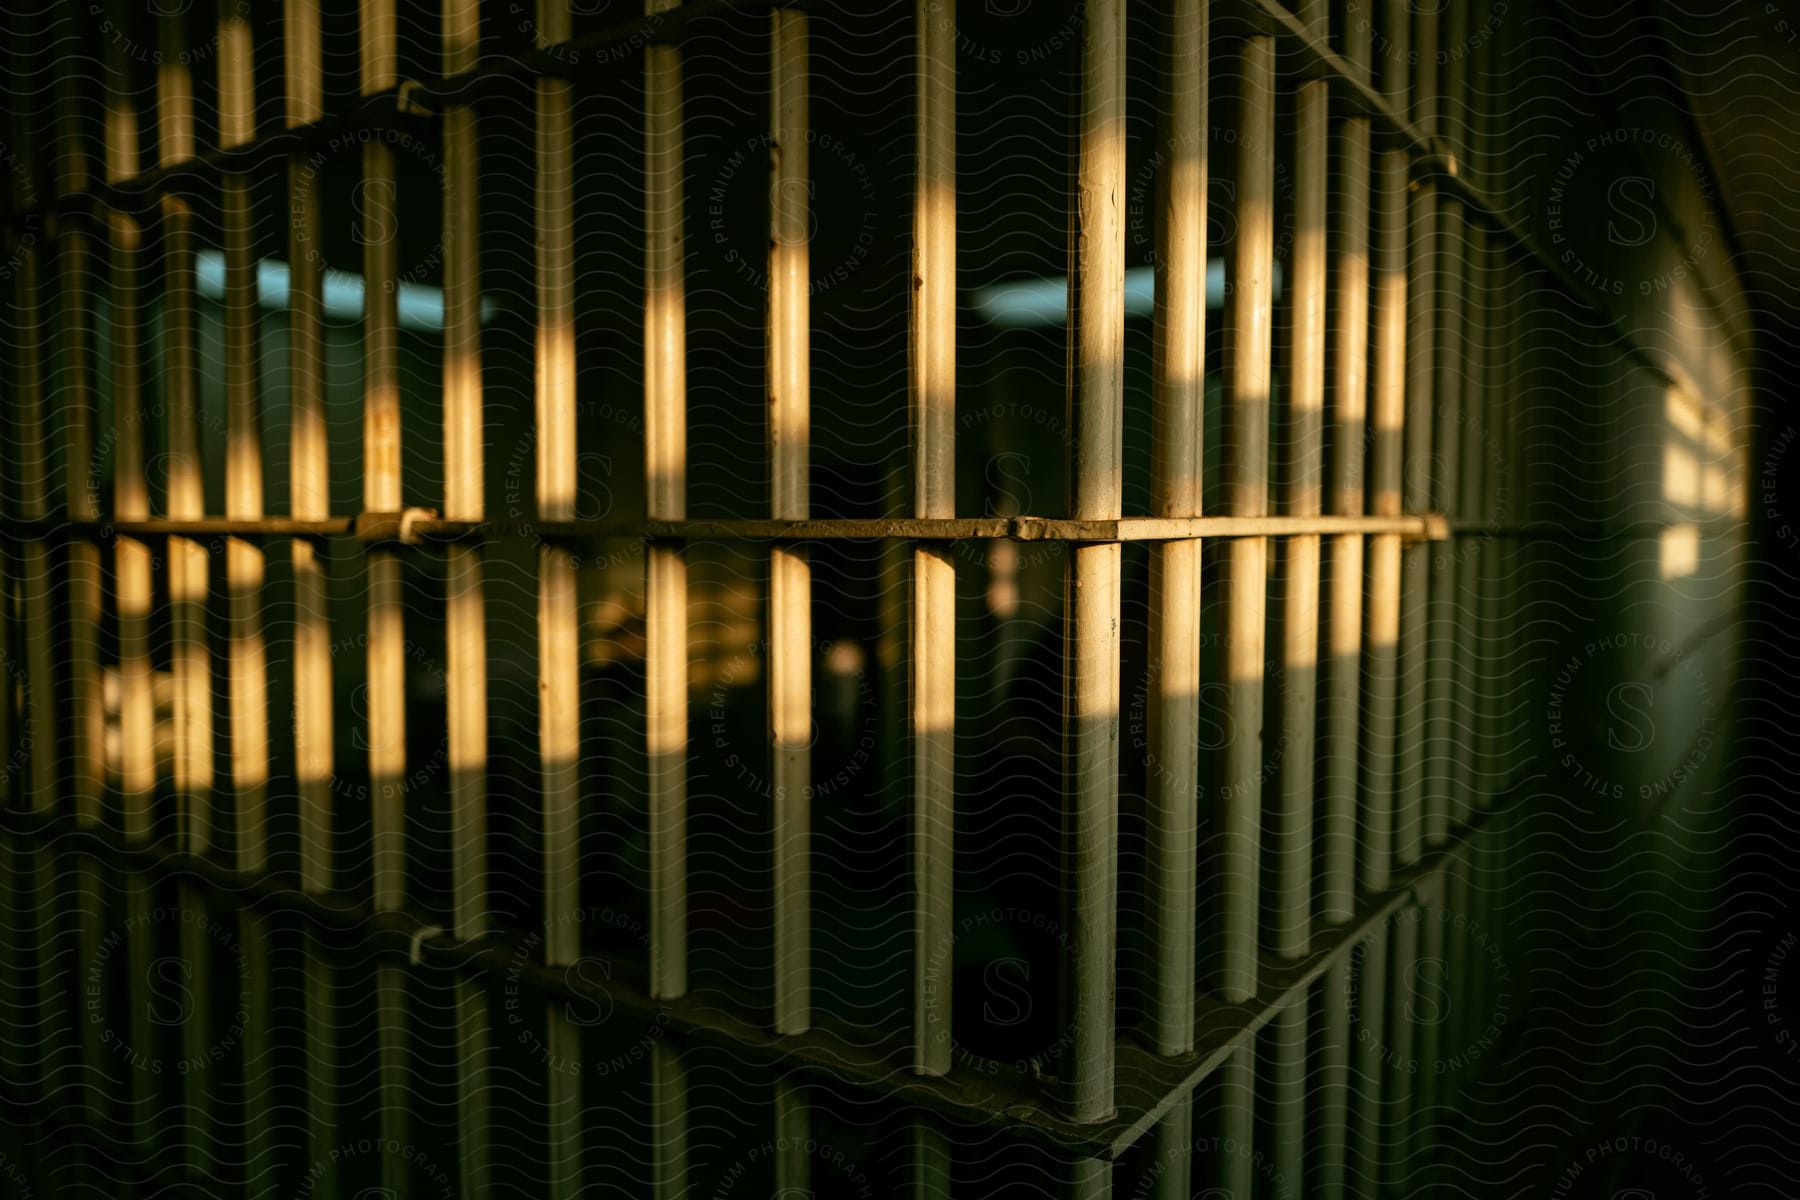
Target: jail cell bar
[
  {"x": 1178, "y": 378},
  {"x": 1406, "y": 811},
  {"x": 665, "y": 588},
  {"x": 932, "y": 680}
]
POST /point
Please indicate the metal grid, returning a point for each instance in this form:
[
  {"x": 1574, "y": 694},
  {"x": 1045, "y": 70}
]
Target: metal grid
[{"x": 1329, "y": 573}]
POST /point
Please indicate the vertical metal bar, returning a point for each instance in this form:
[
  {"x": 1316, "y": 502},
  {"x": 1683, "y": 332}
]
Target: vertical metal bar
[
  {"x": 1443, "y": 805},
  {"x": 41, "y": 722},
  {"x": 665, "y": 582},
  {"x": 790, "y": 576},
  {"x": 74, "y": 385},
  {"x": 386, "y": 736},
  {"x": 381, "y": 472},
  {"x": 1178, "y": 380},
  {"x": 790, "y": 573},
  {"x": 933, "y": 676},
  {"x": 1234, "y": 1168},
  {"x": 1417, "y": 472},
  {"x": 1401, "y": 1033},
  {"x": 309, "y": 465},
  {"x": 1286, "y": 1036},
  {"x": 1178, "y": 367},
  {"x": 189, "y": 565},
  {"x": 309, "y": 498},
  {"x": 1348, "y": 383},
  {"x": 41, "y": 731},
  {"x": 1091, "y": 603},
  {"x": 1386, "y": 455},
  {"x": 465, "y": 615},
  {"x": 1368, "y": 1130},
  {"x": 1333, "y": 1085},
  {"x": 930, "y": 1177},
  {"x": 132, "y": 559},
  {"x": 249, "y": 751},
  {"x": 559, "y": 678},
  {"x": 1292, "y": 809},
  {"x": 76, "y": 401},
  {"x": 665, "y": 441},
  {"x": 248, "y": 695},
  {"x": 1249, "y": 316},
  {"x": 1434, "y": 976}
]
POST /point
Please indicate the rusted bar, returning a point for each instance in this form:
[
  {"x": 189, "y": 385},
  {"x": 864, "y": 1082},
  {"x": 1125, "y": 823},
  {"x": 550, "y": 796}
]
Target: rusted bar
[
  {"x": 790, "y": 576},
  {"x": 933, "y": 660},
  {"x": 1249, "y": 322},
  {"x": 1091, "y": 592}
]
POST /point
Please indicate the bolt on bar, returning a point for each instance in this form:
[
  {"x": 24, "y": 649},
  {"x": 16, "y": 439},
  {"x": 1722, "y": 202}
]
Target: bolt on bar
[{"x": 1091, "y": 590}]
